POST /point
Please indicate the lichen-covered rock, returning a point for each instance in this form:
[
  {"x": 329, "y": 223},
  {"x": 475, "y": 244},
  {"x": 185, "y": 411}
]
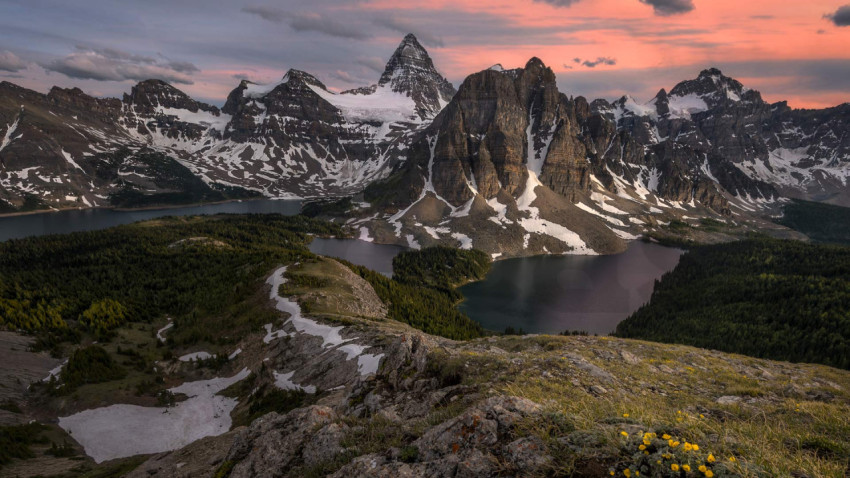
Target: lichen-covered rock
[{"x": 274, "y": 443}]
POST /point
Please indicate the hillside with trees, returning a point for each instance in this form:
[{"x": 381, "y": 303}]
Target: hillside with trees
[{"x": 783, "y": 300}]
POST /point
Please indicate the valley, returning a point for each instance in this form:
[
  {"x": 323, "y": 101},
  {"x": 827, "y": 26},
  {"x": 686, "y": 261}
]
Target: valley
[
  {"x": 423, "y": 274},
  {"x": 385, "y": 373}
]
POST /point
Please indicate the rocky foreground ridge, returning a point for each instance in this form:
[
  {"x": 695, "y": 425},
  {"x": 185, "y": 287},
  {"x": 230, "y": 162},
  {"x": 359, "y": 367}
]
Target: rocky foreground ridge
[
  {"x": 368, "y": 396},
  {"x": 523, "y": 406}
]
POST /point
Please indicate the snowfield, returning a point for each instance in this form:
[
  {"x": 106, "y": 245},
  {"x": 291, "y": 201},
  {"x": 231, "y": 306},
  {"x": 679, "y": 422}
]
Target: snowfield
[{"x": 120, "y": 431}]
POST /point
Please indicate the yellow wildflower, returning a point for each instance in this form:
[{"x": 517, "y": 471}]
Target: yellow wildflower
[
  {"x": 627, "y": 472},
  {"x": 674, "y": 467},
  {"x": 642, "y": 447},
  {"x": 666, "y": 436},
  {"x": 624, "y": 433},
  {"x": 688, "y": 446},
  {"x": 625, "y": 415},
  {"x": 611, "y": 472},
  {"x": 702, "y": 468},
  {"x": 709, "y": 474},
  {"x": 733, "y": 459},
  {"x": 695, "y": 447},
  {"x": 686, "y": 467},
  {"x": 710, "y": 458}
]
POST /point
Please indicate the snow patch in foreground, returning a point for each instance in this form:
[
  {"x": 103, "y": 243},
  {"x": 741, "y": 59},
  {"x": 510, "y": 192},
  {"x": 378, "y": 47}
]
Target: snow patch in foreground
[{"x": 122, "y": 430}]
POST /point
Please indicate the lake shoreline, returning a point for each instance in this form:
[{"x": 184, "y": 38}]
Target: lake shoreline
[{"x": 147, "y": 208}]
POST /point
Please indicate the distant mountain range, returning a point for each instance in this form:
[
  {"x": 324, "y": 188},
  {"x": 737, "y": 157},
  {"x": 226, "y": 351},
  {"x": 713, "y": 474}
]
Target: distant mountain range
[{"x": 507, "y": 163}]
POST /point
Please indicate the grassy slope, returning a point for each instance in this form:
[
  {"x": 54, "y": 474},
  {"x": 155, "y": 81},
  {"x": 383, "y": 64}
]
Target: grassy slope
[{"x": 775, "y": 418}]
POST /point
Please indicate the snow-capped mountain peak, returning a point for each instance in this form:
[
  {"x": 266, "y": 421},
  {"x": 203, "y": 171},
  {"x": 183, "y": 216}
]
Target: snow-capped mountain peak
[{"x": 411, "y": 71}]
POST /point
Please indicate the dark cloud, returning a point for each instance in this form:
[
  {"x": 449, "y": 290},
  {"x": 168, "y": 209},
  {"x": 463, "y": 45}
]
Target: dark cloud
[
  {"x": 106, "y": 64},
  {"x": 762, "y": 17},
  {"x": 576, "y": 60},
  {"x": 670, "y": 7},
  {"x": 568, "y": 67},
  {"x": 183, "y": 67},
  {"x": 841, "y": 17},
  {"x": 602, "y": 60},
  {"x": 373, "y": 63},
  {"x": 11, "y": 62},
  {"x": 558, "y": 3},
  {"x": 400, "y": 25},
  {"x": 307, "y": 22}
]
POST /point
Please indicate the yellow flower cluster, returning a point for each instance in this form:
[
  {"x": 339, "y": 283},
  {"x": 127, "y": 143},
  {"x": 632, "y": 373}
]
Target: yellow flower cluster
[{"x": 668, "y": 448}]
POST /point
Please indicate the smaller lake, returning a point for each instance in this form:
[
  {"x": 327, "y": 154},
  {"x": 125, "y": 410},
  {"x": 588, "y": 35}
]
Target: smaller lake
[
  {"x": 378, "y": 257},
  {"x": 551, "y": 294},
  {"x": 74, "y": 220}
]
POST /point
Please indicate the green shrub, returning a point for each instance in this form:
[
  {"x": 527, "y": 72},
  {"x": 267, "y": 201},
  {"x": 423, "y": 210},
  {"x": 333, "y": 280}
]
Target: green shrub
[{"x": 88, "y": 365}]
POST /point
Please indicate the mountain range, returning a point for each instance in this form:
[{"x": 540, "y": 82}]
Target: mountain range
[{"x": 507, "y": 163}]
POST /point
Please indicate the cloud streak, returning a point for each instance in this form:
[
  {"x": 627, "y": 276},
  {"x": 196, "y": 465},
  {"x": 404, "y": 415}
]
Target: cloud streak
[
  {"x": 558, "y": 3},
  {"x": 602, "y": 60},
  {"x": 307, "y": 22},
  {"x": 400, "y": 25},
  {"x": 666, "y": 8},
  {"x": 108, "y": 64}
]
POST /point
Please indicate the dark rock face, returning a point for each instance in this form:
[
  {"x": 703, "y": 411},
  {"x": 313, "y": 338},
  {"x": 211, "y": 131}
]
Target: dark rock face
[
  {"x": 480, "y": 141},
  {"x": 150, "y": 95},
  {"x": 290, "y": 138},
  {"x": 723, "y": 132},
  {"x": 411, "y": 71}
]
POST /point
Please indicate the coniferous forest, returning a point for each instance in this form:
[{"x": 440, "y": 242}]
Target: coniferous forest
[
  {"x": 65, "y": 287},
  {"x": 783, "y": 300}
]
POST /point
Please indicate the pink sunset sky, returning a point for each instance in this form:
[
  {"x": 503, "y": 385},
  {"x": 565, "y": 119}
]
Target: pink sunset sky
[{"x": 797, "y": 51}]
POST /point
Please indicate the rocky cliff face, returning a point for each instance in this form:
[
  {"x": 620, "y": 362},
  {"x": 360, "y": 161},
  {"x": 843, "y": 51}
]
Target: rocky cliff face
[
  {"x": 549, "y": 172},
  {"x": 709, "y": 147}
]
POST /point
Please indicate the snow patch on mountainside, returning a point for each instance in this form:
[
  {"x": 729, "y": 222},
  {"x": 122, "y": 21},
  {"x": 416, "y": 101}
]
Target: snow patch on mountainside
[
  {"x": 687, "y": 105},
  {"x": 383, "y": 105},
  {"x": 7, "y": 137}
]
